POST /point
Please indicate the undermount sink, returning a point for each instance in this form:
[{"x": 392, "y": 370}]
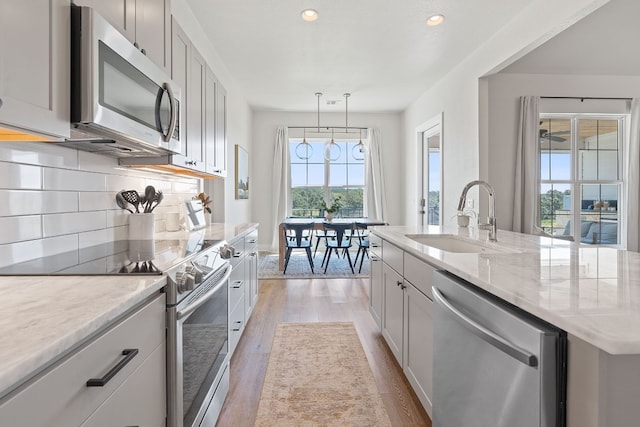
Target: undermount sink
[{"x": 456, "y": 244}]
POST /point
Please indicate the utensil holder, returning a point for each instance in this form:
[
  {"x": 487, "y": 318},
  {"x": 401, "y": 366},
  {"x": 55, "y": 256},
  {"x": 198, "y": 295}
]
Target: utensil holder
[{"x": 141, "y": 236}]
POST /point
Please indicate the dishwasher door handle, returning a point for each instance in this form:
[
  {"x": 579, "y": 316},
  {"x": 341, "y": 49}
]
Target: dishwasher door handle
[{"x": 485, "y": 334}]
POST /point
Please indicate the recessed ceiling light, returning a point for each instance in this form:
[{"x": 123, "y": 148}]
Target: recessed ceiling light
[
  {"x": 435, "y": 20},
  {"x": 309, "y": 15}
]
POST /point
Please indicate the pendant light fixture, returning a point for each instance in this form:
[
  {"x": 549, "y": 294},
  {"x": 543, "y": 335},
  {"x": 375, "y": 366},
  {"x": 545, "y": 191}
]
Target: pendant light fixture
[
  {"x": 358, "y": 150},
  {"x": 304, "y": 150},
  {"x": 333, "y": 150}
]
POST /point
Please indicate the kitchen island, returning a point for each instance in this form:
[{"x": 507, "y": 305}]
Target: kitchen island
[
  {"x": 593, "y": 293},
  {"x": 45, "y": 319}
]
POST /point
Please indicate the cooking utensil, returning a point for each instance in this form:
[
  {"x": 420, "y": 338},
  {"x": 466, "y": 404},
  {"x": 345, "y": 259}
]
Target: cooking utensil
[
  {"x": 132, "y": 197},
  {"x": 158, "y": 198},
  {"x": 149, "y": 196},
  {"x": 122, "y": 203}
]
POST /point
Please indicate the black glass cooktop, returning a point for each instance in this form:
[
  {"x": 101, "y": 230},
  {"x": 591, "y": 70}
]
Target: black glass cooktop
[{"x": 132, "y": 257}]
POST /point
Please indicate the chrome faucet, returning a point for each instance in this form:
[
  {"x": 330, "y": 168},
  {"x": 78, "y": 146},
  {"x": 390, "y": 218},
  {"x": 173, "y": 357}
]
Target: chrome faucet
[{"x": 491, "y": 220}]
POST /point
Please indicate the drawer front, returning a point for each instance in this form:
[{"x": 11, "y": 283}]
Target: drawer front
[
  {"x": 236, "y": 290},
  {"x": 140, "y": 401},
  {"x": 251, "y": 241},
  {"x": 419, "y": 274},
  {"x": 236, "y": 326},
  {"x": 239, "y": 251},
  {"x": 375, "y": 245},
  {"x": 60, "y": 397},
  {"x": 393, "y": 257}
]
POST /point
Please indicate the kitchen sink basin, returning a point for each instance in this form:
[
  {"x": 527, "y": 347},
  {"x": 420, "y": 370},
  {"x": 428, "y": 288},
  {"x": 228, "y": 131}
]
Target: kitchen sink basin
[{"x": 457, "y": 244}]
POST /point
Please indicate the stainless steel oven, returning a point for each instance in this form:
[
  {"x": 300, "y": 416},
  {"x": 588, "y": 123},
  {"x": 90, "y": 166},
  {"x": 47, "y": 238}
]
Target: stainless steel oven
[{"x": 197, "y": 338}]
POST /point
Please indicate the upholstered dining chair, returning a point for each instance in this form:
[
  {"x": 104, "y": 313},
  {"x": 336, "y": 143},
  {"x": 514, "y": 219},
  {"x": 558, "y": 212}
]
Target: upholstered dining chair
[
  {"x": 341, "y": 241},
  {"x": 297, "y": 236},
  {"x": 361, "y": 232}
]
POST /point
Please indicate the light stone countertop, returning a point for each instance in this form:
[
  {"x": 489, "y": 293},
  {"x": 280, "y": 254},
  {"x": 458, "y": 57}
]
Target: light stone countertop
[
  {"x": 42, "y": 318},
  {"x": 591, "y": 292}
]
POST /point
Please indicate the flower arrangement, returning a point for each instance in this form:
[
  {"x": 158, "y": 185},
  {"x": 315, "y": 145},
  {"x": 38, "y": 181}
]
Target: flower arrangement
[
  {"x": 335, "y": 205},
  {"x": 206, "y": 200}
]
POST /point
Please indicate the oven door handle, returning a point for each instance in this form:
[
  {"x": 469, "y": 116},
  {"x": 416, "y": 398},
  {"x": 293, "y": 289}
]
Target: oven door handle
[{"x": 204, "y": 297}]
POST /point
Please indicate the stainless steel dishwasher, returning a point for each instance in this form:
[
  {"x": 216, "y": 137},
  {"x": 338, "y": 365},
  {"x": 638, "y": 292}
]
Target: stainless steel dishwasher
[{"x": 494, "y": 365}]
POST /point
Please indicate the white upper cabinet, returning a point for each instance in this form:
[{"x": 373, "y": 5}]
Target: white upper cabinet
[
  {"x": 34, "y": 66},
  {"x": 146, "y": 23},
  {"x": 215, "y": 135}
]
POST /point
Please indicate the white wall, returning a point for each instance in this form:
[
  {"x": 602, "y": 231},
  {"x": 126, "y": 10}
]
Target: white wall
[
  {"x": 457, "y": 96},
  {"x": 239, "y": 119},
  {"x": 504, "y": 91},
  {"x": 264, "y": 134}
]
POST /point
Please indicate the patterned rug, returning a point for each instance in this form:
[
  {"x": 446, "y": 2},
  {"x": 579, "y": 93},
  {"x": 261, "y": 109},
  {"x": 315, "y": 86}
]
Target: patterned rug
[
  {"x": 299, "y": 267},
  {"x": 318, "y": 375}
]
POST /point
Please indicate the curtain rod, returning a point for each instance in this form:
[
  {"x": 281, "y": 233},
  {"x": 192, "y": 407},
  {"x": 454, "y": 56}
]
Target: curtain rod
[
  {"x": 327, "y": 127},
  {"x": 582, "y": 98}
]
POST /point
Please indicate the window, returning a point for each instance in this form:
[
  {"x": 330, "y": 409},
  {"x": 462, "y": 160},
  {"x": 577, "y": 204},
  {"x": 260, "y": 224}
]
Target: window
[
  {"x": 580, "y": 177},
  {"x": 314, "y": 179}
]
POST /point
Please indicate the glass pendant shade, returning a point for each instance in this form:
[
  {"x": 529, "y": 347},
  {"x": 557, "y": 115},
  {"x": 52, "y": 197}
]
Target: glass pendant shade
[
  {"x": 304, "y": 150},
  {"x": 332, "y": 150}
]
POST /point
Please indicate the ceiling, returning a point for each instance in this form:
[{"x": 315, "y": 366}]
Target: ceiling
[
  {"x": 381, "y": 52},
  {"x": 603, "y": 43}
]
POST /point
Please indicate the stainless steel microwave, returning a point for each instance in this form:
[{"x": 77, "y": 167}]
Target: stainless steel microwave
[{"x": 122, "y": 104}]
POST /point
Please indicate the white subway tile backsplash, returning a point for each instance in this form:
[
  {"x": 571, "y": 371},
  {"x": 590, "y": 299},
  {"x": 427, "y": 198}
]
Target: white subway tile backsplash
[
  {"x": 117, "y": 218},
  {"x": 97, "y": 201},
  {"x": 73, "y": 180},
  {"x": 17, "y": 176},
  {"x": 24, "y": 251},
  {"x": 92, "y": 238},
  {"x": 34, "y": 202},
  {"x": 96, "y": 163},
  {"x": 20, "y": 228},
  {"x": 55, "y": 199},
  {"x": 40, "y": 154},
  {"x": 58, "y": 224}
]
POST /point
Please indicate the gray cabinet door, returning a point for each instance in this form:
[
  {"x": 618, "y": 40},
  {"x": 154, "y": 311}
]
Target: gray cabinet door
[
  {"x": 34, "y": 66},
  {"x": 375, "y": 289},
  {"x": 392, "y": 320},
  {"x": 153, "y": 27}
]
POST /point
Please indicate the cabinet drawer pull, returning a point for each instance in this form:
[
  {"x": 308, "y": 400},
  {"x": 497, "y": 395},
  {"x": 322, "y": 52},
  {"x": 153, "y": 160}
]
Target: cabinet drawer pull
[
  {"x": 237, "y": 284},
  {"x": 129, "y": 354},
  {"x": 237, "y": 254},
  {"x": 237, "y": 328}
]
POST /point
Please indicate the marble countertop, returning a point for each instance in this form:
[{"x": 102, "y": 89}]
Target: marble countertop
[
  {"x": 43, "y": 317},
  {"x": 591, "y": 292}
]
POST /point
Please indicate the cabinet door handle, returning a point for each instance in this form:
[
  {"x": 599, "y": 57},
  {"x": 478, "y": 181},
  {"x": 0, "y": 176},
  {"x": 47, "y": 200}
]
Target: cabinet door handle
[
  {"x": 236, "y": 329},
  {"x": 144, "y": 52},
  {"x": 129, "y": 354},
  {"x": 398, "y": 283}
]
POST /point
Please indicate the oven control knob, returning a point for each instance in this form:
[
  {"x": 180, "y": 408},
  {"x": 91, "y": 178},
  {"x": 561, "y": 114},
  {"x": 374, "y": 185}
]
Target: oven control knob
[
  {"x": 197, "y": 274},
  {"x": 184, "y": 281}
]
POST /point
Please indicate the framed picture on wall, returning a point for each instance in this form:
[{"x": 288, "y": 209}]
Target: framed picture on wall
[{"x": 242, "y": 173}]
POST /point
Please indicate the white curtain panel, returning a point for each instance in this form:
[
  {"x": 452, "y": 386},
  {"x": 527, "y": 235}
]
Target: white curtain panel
[
  {"x": 375, "y": 200},
  {"x": 632, "y": 178},
  {"x": 527, "y": 176},
  {"x": 281, "y": 183}
]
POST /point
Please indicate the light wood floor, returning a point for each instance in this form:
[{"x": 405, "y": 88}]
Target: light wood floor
[{"x": 316, "y": 300}]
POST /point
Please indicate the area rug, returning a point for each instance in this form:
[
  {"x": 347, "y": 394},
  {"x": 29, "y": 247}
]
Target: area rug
[
  {"x": 299, "y": 267},
  {"x": 318, "y": 375}
]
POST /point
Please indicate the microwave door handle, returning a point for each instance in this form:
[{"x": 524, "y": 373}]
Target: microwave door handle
[{"x": 174, "y": 113}]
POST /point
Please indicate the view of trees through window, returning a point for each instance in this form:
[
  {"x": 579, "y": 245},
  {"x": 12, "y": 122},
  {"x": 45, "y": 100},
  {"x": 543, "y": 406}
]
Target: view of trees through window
[
  {"x": 314, "y": 178},
  {"x": 580, "y": 177}
]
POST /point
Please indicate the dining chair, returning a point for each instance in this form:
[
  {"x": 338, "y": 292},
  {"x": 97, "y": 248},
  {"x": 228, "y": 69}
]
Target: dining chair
[
  {"x": 297, "y": 236},
  {"x": 361, "y": 232},
  {"x": 341, "y": 241}
]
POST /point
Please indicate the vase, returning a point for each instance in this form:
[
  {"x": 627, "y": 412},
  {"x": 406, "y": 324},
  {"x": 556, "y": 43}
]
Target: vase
[
  {"x": 207, "y": 218},
  {"x": 329, "y": 216}
]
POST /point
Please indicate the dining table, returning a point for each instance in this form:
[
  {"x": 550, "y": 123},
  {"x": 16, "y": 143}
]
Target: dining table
[{"x": 317, "y": 225}]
